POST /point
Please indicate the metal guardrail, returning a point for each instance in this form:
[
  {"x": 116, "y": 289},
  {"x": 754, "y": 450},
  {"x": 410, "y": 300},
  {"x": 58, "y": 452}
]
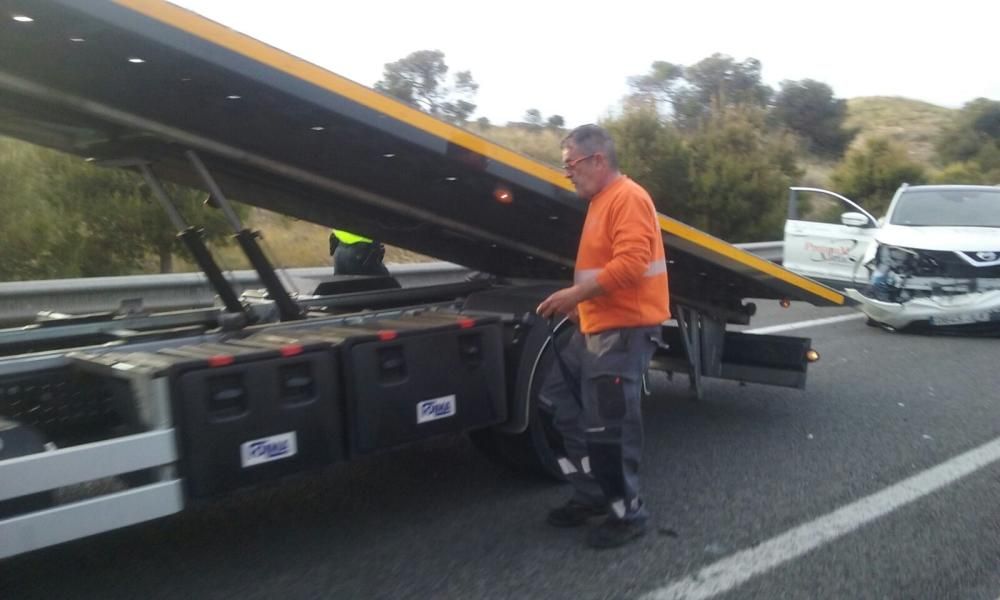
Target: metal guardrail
[
  {"x": 772, "y": 251},
  {"x": 20, "y": 301}
]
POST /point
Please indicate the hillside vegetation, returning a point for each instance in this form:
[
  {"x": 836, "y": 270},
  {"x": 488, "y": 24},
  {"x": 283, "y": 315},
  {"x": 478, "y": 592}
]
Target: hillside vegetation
[
  {"x": 663, "y": 156},
  {"x": 715, "y": 146},
  {"x": 293, "y": 243},
  {"x": 913, "y": 124}
]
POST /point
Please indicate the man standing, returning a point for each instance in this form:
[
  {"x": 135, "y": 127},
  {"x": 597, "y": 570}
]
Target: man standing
[
  {"x": 356, "y": 255},
  {"x": 620, "y": 298}
]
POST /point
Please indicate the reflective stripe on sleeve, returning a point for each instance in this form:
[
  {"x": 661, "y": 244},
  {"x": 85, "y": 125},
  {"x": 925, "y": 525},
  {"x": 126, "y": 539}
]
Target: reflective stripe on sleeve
[
  {"x": 585, "y": 275},
  {"x": 655, "y": 268}
]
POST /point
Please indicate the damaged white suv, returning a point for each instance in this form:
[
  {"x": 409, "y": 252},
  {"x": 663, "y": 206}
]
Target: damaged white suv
[{"x": 932, "y": 262}]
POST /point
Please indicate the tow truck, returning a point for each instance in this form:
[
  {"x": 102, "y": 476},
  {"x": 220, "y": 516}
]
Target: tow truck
[{"x": 176, "y": 407}]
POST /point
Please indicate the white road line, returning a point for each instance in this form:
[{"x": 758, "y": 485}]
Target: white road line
[
  {"x": 804, "y": 324},
  {"x": 733, "y": 571}
]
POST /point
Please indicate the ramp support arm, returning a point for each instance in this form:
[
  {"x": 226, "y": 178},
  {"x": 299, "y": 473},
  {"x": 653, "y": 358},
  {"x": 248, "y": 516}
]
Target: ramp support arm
[
  {"x": 194, "y": 240},
  {"x": 288, "y": 309}
]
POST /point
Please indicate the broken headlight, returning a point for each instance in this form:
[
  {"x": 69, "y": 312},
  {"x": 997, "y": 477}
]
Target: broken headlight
[{"x": 890, "y": 269}]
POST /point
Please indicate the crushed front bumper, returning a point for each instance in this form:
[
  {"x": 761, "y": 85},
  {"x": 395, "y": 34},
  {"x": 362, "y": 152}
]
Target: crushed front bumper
[{"x": 977, "y": 312}]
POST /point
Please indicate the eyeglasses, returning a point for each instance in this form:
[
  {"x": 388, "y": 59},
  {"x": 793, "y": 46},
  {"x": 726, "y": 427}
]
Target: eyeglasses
[{"x": 570, "y": 165}]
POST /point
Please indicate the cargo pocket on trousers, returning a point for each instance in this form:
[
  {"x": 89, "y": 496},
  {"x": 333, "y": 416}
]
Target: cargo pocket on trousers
[{"x": 610, "y": 391}]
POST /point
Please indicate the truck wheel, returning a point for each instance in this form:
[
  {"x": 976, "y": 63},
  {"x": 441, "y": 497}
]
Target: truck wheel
[{"x": 535, "y": 450}]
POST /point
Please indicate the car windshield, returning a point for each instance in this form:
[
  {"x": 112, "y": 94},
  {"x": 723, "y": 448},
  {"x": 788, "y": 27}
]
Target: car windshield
[{"x": 954, "y": 208}]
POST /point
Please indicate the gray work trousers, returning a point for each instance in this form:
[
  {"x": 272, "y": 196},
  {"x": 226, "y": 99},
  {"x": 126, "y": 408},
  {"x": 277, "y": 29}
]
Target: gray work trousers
[{"x": 595, "y": 395}]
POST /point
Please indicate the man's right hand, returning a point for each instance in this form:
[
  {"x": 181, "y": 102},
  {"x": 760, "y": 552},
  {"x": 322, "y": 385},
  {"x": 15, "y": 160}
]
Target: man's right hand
[{"x": 562, "y": 302}]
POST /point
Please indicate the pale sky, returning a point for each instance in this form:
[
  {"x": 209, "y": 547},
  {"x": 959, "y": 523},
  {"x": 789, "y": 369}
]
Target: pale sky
[{"x": 573, "y": 58}]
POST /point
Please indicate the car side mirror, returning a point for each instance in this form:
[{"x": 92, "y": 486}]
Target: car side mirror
[{"x": 855, "y": 219}]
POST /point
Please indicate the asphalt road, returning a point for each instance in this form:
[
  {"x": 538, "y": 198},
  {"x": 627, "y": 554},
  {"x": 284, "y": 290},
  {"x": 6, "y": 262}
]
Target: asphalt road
[{"x": 756, "y": 492}]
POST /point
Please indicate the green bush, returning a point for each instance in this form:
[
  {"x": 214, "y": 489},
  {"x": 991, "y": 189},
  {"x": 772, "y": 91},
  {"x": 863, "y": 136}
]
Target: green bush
[
  {"x": 728, "y": 177},
  {"x": 870, "y": 175},
  {"x": 64, "y": 217},
  {"x": 653, "y": 154},
  {"x": 740, "y": 177}
]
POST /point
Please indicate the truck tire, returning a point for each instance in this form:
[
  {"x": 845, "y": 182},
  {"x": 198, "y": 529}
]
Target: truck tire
[{"x": 533, "y": 451}]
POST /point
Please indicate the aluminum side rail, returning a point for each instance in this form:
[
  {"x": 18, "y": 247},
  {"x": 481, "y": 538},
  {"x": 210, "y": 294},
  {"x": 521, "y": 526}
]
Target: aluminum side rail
[{"x": 46, "y": 471}]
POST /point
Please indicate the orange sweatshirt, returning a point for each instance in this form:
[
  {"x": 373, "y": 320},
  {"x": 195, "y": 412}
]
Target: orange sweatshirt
[{"x": 622, "y": 246}]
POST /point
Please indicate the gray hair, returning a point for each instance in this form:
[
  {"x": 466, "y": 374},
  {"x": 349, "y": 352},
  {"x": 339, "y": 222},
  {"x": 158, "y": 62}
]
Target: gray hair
[{"x": 591, "y": 139}]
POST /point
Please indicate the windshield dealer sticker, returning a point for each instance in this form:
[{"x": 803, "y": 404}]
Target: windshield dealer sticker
[
  {"x": 268, "y": 449},
  {"x": 436, "y": 408}
]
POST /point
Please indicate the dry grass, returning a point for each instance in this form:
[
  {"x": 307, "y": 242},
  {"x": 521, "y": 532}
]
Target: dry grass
[
  {"x": 816, "y": 172},
  {"x": 911, "y": 123},
  {"x": 289, "y": 243},
  {"x": 537, "y": 142}
]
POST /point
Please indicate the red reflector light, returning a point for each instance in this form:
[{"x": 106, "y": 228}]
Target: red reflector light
[
  {"x": 291, "y": 350},
  {"x": 385, "y": 336},
  {"x": 466, "y": 323},
  {"x": 221, "y": 360}
]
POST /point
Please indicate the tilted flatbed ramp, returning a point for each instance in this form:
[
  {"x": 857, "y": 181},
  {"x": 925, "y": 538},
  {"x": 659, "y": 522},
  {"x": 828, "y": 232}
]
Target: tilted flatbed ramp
[{"x": 286, "y": 135}]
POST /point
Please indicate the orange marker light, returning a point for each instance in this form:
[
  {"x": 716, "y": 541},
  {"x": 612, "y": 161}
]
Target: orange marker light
[
  {"x": 785, "y": 303},
  {"x": 811, "y": 355},
  {"x": 503, "y": 195}
]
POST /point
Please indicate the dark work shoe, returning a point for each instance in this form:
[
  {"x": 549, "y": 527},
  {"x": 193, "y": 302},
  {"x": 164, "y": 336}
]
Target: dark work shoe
[
  {"x": 615, "y": 532},
  {"x": 574, "y": 514}
]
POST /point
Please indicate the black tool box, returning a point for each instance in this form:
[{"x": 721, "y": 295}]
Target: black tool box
[{"x": 415, "y": 376}]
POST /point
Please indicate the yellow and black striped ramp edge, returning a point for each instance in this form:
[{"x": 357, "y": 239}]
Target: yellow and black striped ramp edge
[{"x": 145, "y": 79}]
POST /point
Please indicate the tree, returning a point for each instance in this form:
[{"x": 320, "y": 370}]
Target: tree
[
  {"x": 871, "y": 175},
  {"x": 654, "y": 154},
  {"x": 808, "y": 108},
  {"x": 728, "y": 177},
  {"x": 988, "y": 159},
  {"x": 555, "y": 122},
  {"x": 720, "y": 80},
  {"x": 973, "y": 136},
  {"x": 966, "y": 173},
  {"x": 658, "y": 87},
  {"x": 740, "y": 174},
  {"x": 97, "y": 221},
  {"x": 420, "y": 79},
  {"x": 690, "y": 93},
  {"x": 28, "y": 225},
  {"x": 533, "y": 117}
]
